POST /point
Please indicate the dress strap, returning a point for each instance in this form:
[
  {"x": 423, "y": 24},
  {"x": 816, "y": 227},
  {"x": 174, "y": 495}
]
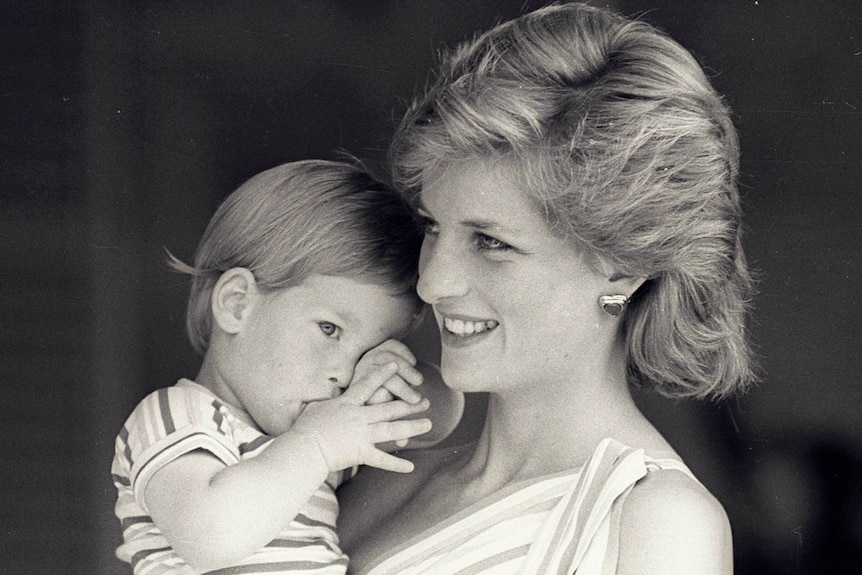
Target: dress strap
[
  {"x": 592, "y": 507},
  {"x": 668, "y": 463},
  {"x": 607, "y": 476}
]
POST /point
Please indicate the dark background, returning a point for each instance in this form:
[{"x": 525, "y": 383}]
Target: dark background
[{"x": 123, "y": 124}]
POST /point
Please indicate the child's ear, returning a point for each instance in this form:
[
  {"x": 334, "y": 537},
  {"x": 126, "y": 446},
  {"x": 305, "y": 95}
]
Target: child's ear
[{"x": 233, "y": 296}]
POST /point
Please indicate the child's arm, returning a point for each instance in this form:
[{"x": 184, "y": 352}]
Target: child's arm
[
  {"x": 415, "y": 380},
  {"x": 214, "y": 515}
]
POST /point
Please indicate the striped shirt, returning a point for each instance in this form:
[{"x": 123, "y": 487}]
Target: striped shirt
[
  {"x": 177, "y": 420},
  {"x": 562, "y": 524}
]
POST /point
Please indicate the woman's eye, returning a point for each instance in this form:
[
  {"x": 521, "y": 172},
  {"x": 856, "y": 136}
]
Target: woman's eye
[
  {"x": 329, "y": 329},
  {"x": 487, "y": 243}
]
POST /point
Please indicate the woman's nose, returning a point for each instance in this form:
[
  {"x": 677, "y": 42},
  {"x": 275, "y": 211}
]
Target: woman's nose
[{"x": 442, "y": 273}]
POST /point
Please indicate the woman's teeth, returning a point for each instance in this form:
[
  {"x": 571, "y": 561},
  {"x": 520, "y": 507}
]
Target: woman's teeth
[{"x": 463, "y": 328}]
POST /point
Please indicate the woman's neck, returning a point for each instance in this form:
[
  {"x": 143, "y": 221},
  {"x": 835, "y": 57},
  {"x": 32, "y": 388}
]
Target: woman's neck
[{"x": 529, "y": 435}]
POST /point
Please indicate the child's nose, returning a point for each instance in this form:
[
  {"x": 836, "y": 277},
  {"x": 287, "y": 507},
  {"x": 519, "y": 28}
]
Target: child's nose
[
  {"x": 339, "y": 382},
  {"x": 341, "y": 376}
]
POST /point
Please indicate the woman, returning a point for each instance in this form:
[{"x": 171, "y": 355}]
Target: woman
[{"x": 577, "y": 176}]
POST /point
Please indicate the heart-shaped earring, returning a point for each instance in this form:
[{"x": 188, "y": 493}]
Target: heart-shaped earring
[{"x": 614, "y": 305}]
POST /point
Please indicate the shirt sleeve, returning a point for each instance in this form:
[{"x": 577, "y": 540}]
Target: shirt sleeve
[{"x": 169, "y": 423}]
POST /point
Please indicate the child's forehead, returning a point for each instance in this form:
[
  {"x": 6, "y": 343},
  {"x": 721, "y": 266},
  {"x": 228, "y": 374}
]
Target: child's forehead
[
  {"x": 357, "y": 300},
  {"x": 336, "y": 285}
]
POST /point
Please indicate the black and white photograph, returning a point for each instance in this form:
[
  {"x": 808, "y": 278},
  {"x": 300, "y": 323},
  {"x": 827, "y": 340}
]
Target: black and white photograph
[{"x": 431, "y": 287}]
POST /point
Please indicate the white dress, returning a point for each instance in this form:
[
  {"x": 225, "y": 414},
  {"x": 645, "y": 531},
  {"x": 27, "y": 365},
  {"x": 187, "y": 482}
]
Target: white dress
[{"x": 564, "y": 523}]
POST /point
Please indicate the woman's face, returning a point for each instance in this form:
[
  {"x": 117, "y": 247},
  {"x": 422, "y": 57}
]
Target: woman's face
[{"x": 515, "y": 303}]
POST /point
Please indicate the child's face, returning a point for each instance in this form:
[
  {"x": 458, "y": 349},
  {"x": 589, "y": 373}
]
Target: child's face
[{"x": 301, "y": 344}]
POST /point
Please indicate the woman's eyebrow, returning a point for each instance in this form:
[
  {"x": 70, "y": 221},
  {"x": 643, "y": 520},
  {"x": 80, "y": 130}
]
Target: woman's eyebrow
[
  {"x": 482, "y": 224},
  {"x": 478, "y": 224}
]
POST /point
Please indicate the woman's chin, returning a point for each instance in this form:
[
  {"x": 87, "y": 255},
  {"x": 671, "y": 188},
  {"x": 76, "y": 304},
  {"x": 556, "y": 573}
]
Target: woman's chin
[{"x": 465, "y": 376}]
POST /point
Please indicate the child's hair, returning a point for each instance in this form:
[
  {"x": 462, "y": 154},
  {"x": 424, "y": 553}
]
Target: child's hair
[{"x": 299, "y": 219}]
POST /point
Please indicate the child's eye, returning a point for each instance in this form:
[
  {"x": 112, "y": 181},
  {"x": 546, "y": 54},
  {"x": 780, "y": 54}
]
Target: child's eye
[
  {"x": 487, "y": 243},
  {"x": 329, "y": 329}
]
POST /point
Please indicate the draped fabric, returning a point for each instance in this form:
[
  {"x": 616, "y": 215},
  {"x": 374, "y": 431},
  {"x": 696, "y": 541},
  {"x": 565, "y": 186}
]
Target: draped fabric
[{"x": 564, "y": 523}]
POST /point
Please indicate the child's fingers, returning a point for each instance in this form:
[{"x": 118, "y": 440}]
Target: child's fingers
[
  {"x": 396, "y": 376},
  {"x": 406, "y": 368},
  {"x": 399, "y": 388},
  {"x": 394, "y": 410},
  {"x": 380, "y": 395},
  {"x": 388, "y": 462},
  {"x": 395, "y": 347},
  {"x": 396, "y": 430},
  {"x": 359, "y": 392},
  {"x": 392, "y": 350},
  {"x": 409, "y": 373}
]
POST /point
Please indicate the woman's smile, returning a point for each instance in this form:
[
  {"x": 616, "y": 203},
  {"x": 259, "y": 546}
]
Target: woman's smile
[
  {"x": 460, "y": 331},
  {"x": 465, "y": 328}
]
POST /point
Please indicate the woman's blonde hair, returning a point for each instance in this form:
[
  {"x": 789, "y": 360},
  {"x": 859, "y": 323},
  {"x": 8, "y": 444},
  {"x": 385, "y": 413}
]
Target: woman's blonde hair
[
  {"x": 629, "y": 152},
  {"x": 299, "y": 219}
]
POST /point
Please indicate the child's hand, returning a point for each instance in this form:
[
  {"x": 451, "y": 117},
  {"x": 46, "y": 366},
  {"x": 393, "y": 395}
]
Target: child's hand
[
  {"x": 347, "y": 430},
  {"x": 400, "y": 384}
]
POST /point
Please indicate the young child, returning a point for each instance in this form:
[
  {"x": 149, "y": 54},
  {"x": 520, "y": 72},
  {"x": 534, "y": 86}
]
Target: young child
[{"x": 302, "y": 284}]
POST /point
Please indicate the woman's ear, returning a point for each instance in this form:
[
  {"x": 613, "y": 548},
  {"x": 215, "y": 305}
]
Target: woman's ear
[
  {"x": 626, "y": 285},
  {"x": 233, "y": 296}
]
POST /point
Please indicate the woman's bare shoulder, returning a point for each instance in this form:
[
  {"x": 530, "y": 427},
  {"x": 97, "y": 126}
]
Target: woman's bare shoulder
[{"x": 672, "y": 524}]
